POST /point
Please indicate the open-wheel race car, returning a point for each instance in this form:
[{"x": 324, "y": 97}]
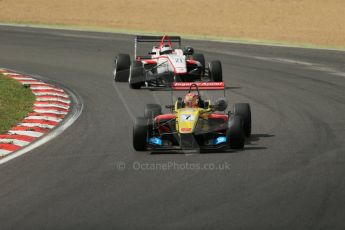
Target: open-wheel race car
[
  {"x": 164, "y": 64},
  {"x": 194, "y": 123}
]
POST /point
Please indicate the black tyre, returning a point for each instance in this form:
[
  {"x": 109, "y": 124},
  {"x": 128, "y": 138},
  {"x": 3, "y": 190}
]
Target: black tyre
[
  {"x": 215, "y": 71},
  {"x": 121, "y": 67},
  {"x": 152, "y": 110},
  {"x": 235, "y": 134},
  {"x": 200, "y": 58},
  {"x": 136, "y": 75},
  {"x": 243, "y": 109},
  {"x": 140, "y": 130}
]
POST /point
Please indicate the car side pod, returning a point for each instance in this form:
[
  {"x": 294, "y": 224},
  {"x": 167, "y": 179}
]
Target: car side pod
[{"x": 136, "y": 75}]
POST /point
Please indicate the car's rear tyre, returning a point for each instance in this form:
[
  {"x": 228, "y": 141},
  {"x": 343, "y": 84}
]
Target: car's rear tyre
[
  {"x": 140, "y": 130},
  {"x": 152, "y": 110},
  {"x": 235, "y": 134},
  {"x": 215, "y": 71},
  {"x": 136, "y": 75},
  {"x": 121, "y": 67},
  {"x": 243, "y": 110}
]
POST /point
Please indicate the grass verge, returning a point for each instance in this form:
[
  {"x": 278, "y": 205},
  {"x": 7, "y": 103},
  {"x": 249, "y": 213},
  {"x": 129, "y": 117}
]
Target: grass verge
[{"x": 16, "y": 102}]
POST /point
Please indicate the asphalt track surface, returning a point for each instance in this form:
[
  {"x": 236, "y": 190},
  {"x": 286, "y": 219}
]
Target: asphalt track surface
[{"x": 290, "y": 175}]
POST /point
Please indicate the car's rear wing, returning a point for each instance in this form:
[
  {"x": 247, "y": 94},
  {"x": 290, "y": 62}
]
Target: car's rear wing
[
  {"x": 200, "y": 85},
  {"x": 160, "y": 39},
  {"x": 143, "y": 38}
]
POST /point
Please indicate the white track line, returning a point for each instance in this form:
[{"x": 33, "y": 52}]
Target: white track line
[
  {"x": 4, "y": 152},
  {"x": 124, "y": 103}
]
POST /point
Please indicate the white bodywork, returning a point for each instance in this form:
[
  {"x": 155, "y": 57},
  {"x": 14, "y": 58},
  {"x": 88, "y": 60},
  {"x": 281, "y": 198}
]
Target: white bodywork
[
  {"x": 175, "y": 62},
  {"x": 172, "y": 63}
]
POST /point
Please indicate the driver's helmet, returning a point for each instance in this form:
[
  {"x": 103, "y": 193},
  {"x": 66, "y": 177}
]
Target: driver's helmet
[
  {"x": 188, "y": 50},
  {"x": 166, "y": 49},
  {"x": 191, "y": 100}
]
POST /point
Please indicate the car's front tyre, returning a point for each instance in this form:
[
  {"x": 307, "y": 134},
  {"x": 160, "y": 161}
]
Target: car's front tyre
[
  {"x": 243, "y": 109},
  {"x": 121, "y": 67},
  {"x": 140, "y": 130},
  {"x": 235, "y": 133}
]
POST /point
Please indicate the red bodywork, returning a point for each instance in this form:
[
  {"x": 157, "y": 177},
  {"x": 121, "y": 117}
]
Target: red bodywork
[{"x": 166, "y": 117}]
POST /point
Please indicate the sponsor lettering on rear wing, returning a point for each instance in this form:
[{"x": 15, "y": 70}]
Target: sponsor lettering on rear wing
[{"x": 201, "y": 85}]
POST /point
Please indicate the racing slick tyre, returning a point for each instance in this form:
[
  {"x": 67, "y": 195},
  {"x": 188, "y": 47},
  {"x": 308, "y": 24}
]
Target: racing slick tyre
[
  {"x": 152, "y": 110},
  {"x": 140, "y": 129},
  {"x": 136, "y": 75},
  {"x": 215, "y": 71},
  {"x": 200, "y": 58},
  {"x": 235, "y": 133},
  {"x": 121, "y": 67},
  {"x": 243, "y": 110}
]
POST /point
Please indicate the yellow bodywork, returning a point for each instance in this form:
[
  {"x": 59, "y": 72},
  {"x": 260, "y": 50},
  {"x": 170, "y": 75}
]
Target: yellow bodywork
[{"x": 187, "y": 118}]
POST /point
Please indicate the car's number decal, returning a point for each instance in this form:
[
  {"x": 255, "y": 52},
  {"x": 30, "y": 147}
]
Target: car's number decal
[
  {"x": 187, "y": 117},
  {"x": 179, "y": 60}
]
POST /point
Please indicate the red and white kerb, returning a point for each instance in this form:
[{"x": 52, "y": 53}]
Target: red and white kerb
[{"x": 51, "y": 106}]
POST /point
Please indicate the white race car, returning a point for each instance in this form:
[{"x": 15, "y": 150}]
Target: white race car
[{"x": 164, "y": 65}]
